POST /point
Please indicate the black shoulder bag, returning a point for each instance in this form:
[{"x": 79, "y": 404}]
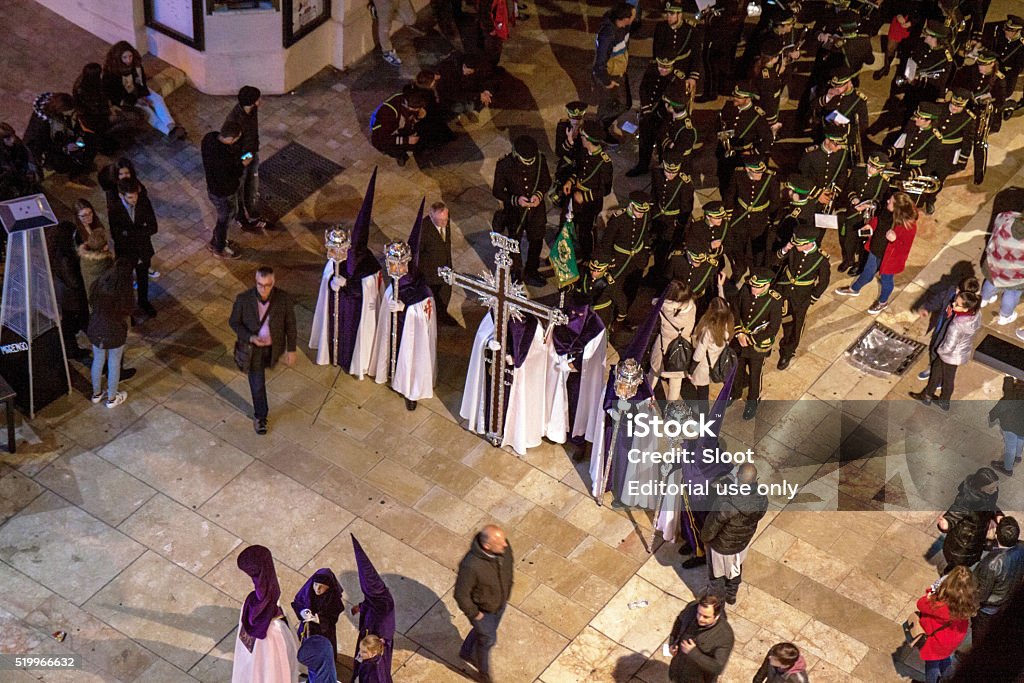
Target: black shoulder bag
[{"x": 243, "y": 348}]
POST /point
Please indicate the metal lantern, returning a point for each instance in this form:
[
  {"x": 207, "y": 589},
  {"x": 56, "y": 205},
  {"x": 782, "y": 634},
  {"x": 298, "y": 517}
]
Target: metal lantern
[
  {"x": 628, "y": 376},
  {"x": 337, "y": 241},
  {"x": 753, "y": 9},
  {"x": 396, "y": 258}
]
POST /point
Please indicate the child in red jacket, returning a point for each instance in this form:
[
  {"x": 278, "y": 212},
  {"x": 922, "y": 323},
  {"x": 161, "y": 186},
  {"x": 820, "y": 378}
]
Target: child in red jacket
[{"x": 945, "y": 611}]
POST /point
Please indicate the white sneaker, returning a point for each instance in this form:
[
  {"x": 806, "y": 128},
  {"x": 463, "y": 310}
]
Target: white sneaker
[
  {"x": 96, "y": 398},
  {"x": 989, "y": 301},
  {"x": 1006, "y": 320},
  {"x": 119, "y": 398},
  {"x": 391, "y": 58}
]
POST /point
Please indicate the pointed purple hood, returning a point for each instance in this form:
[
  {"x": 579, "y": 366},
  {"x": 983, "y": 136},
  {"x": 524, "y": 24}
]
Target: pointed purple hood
[
  {"x": 377, "y": 611},
  {"x": 359, "y": 246}
]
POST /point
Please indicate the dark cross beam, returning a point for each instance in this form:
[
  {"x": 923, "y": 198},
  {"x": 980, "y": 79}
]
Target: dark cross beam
[{"x": 506, "y": 299}]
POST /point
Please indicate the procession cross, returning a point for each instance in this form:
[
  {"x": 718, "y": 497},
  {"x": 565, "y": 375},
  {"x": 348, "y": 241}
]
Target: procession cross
[{"x": 506, "y": 299}]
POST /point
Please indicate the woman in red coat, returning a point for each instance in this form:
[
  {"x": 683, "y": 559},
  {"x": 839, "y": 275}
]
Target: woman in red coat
[
  {"x": 946, "y": 610},
  {"x": 892, "y": 235}
]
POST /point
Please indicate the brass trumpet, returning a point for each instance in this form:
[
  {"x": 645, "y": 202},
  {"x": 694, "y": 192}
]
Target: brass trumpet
[{"x": 921, "y": 185}]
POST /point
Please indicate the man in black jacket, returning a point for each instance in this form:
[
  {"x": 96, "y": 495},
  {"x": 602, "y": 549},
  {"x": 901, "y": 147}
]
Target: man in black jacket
[
  {"x": 436, "y": 252},
  {"x": 999, "y": 574},
  {"x": 482, "y": 588},
  {"x": 701, "y": 642},
  {"x": 247, "y": 115},
  {"x": 224, "y": 167},
  {"x": 132, "y": 224},
  {"x": 729, "y": 528},
  {"x": 264, "y": 317},
  {"x": 521, "y": 180}
]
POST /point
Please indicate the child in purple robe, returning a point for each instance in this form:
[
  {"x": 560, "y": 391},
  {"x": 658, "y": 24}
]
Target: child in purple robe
[
  {"x": 318, "y": 605},
  {"x": 376, "y": 624}
]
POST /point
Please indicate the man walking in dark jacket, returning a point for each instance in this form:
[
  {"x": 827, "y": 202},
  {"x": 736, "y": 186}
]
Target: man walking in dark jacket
[
  {"x": 729, "y": 528},
  {"x": 224, "y": 166},
  {"x": 264, "y": 317},
  {"x": 246, "y": 114},
  {"x": 132, "y": 224},
  {"x": 701, "y": 642},
  {"x": 482, "y": 588},
  {"x": 999, "y": 574}
]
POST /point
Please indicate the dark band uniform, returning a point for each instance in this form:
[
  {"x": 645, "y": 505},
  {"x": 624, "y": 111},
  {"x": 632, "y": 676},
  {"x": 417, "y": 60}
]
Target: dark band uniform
[
  {"x": 696, "y": 263},
  {"x": 752, "y": 204},
  {"x": 566, "y": 149},
  {"x": 956, "y": 133},
  {"x": 652, "y": 107},
  {"x": 759, "y": 319},
  {"x": 860, "y": 187},
  {"x": 683, "y": 44},
  {"x": 592, "y": 178},
  {"x": 522, "y": 174},
  {"x": 1009, "y": 51},
  {"x": 804, "y": 278},
  {"x": 742, "y": 132},
  {"x": 624, "y": 250}
]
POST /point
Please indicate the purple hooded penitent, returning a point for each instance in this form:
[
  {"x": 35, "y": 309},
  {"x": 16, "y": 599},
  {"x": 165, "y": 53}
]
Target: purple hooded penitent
[
  {"x": 376, "y": 616},
  {"x": 327, "y": 606},
  {"x": 359, "y": 263},
  {"x": 260, "y": 607}
]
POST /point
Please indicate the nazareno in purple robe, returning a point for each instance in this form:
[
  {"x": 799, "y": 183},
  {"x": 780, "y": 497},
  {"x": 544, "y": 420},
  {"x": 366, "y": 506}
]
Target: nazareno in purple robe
[
  {"x": 360, "y": 263},
  {"x": 317, "y": 655},
  {"x": 377, "y": 617},
  {"x": 327, "y": 606},
  {"x": 412, "y": 287},
  {"x": 260, "y": 606},
  {"x": 570, "y": 340}
]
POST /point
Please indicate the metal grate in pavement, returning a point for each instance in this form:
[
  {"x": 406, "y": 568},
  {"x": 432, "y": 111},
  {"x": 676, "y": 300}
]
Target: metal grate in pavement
[
  {"x": 883, "y": 351},
  {"x": 291, "y": 175}
]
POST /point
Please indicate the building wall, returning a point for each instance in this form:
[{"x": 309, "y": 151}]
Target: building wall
[{"x": 111, "y": 20}]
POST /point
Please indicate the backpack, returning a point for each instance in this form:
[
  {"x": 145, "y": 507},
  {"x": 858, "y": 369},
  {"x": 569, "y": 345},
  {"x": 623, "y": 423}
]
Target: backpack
[
  {"x": 499, "y": 17},
  {"x": 724, "y": 366},
  {"x": 679, "y": 353}
]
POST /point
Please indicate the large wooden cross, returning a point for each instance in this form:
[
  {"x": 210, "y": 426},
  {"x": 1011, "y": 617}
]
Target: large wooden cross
[{"x": 506, "y": 299}]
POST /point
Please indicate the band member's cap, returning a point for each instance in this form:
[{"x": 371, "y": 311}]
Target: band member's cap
[
  {"x": 848, "y": 20},
  {"x": 664, "y": 56},
  {"x": 675, "y": 94},
  {"x": 592, "y": 131},
  {"x": 684, "y": 6},
  {"x": 836, "y": 133},
  {"x": 928, "y": 110},
  {"x": 576, "y": 109},
  {"x": 879, "y": 160},
  {"x": 715, "y": 210},
  {"x": 698, "y": 237},
  {"x": 1013, "y": 23},
  {"x": 800, "y": 184},
  {"x": 986, "y": 57},
  {"x": 805, "y": 233},
  {"x": 936, "y": 29},
  {"x": 525, "y": 147},
  {"x": 786, "y": 18},
  {"x": 744, "y": 89},
  {"x": 640, "y": 200},
  {"x": 761, "y": 276},
  {"x": 755, "y": 163},
  {"x": 960, "y": 96},
  {"x": 672, "y": 160},
  {"x": 843, "y": 77}
]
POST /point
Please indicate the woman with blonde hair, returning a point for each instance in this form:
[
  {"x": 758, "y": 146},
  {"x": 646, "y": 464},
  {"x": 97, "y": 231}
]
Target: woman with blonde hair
[
  {"x": 892, "y": 234},
  {"x": 710, "y": 338},
  {"x": 678, "y": 314},
  {"x": 125, "y": 82},
  {"x": 945, "y": 611}
]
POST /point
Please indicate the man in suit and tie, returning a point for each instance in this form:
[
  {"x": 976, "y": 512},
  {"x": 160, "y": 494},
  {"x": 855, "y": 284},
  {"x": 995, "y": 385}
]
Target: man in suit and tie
[
  {"x": 264, "y": 317},
  {"x": 132, "y": 224},
  {"x": 435, "y": 252}
]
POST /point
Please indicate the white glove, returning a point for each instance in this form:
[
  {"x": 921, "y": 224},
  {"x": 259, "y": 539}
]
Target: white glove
[
  {"x": 308, "y": 615},
  {"x": 396, "y": 306},
  {"x": 493, "y": 345},
  {"x": 337, "y": 282}
]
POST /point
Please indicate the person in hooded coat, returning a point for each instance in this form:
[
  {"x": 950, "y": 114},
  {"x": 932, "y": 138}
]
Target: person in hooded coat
[
  {"x": 266, "y": 650},
  {"x": 317, "y": 655},
  {"x": 967, "y": 520},
  {"x": 416, "y": 364},
  {"x": 345, "y": 319},
  {"x": 318, "y": 605},
  {"x": 376, "y": 623},
  {"x": 69, "y": 286}
]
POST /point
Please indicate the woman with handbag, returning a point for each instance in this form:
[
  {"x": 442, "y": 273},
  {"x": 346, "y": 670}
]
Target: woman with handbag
[
  {"x": 944, "y": 613},
  {"x": 710, "y": 338},
  {"x": 673, "y": 350}
]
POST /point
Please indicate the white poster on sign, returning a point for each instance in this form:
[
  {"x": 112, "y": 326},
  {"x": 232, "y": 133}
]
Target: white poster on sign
[
  {"x": 175, "y": 15},
  {"x": 305, "y": 12}
]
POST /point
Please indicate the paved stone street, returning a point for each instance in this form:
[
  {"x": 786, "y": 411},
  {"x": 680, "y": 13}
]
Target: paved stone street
[{"x": 122, "y": 527}]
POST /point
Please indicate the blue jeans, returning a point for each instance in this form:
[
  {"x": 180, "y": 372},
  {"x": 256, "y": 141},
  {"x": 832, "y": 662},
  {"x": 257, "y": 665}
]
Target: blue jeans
[
  {"x": 1013, "y": 448},
  {"x": 933, "y": 670},
  {"x": 870, "y": 268},
  {"x": 227, "y": 210},
  {"x": 112, "y": 357},
  {"x": 1008, "y": 300},
  {"x": 477, "y": 645}
]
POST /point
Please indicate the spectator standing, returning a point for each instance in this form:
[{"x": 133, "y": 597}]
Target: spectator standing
[
  {"x": 435, "y": 253},
  {"x": 966, "y": 522},
  {"x": 264, "y": 317},
  {"x": 892, "y": 235},
  {"x": 482, "y": 589},
  {"x": 945, "y": 611},
  {"x": 610, "y": 64},
  {"x": 55, "y": 138},
  {"x": 132, "y": 225},
  {"x": 676, "y": 320},
  {"x": 224, "y": 168},
  {"x": 112, "y": 303},
  {"x": 999, "y": 574},
  {"x": 68, "y": 287},
  {"x": 782, "y": 664},
  {"x": 246, "y": 114},
  {"x": 956, "y": 349},
  {"x": 1009, "y": 412},
  {"x": 95, "y": 255},
  {"x": 385, "y": 11},
  {"x": 93, "y": 107},
  {"x": 1003, "y": 266},
  {"x": 940, "y": 305},
  {"x": 701, "y": 642},
  {"x": 125, "y": 80},
  {"x": 728, "y": 530},
  {"x": 18, "y": 175},
  {"x": 111, "y": 174},
  {"x": 710, "y": 337}
]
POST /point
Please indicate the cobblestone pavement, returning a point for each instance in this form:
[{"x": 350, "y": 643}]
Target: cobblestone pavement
[{"x": 122, "y": 526}]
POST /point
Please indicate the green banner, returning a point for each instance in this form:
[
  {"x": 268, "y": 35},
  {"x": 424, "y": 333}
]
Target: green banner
[{"x": 563, "y": 253}]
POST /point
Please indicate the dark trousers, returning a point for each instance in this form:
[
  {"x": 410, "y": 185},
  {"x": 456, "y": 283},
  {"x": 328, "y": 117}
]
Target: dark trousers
[
  {"x": 943, "y": 374},
  {"x": 613, "y": 102},
  {"x": 792, "y": 330},
  {"x": 749, "y": 369},
  {"x": 249, "y": 189},
  {"x": 584, "y": 216},
  {"x": 646, "y": 134},
  {"x": 142, "y": 280},
  {"x": 227, "y": 210},
  {"x": 258, "y": 381},
  {"x": 70, "y": 324},
  {"x": 442, "y": 296},
  {"x": 484, "y": 635},
  {"x": 726, "y": 588},
  {"x": 739, "y": 251},
  {"x": 980, "y": 625},
  {"x": 852, "y": 245}
]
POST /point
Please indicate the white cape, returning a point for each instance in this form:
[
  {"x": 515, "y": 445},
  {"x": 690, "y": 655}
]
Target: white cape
[
  {"x": 593, "y": 375},
  {"x": 274, "y": 659},
  {"x": 320, "y": 334},
  {"x": 525, "y": 416},
  {"x": 416, "y": 367},
  {"x": 643, "y": 472}
]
